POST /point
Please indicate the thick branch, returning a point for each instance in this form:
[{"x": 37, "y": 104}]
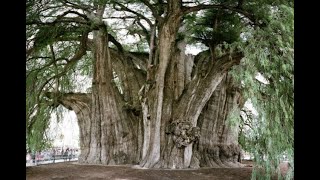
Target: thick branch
[
  {"x": 145, "y": 31},
  {"x": 153, "y": 9},
  {"x": 139, "y": 59},
  {"x": 69, "y": 99},
  {"x": 131, "y": 80},
  {"x": 61, "y": 18},
  {"x": 77, "y": 6},
  {"x": 115, "y": 42},
  {"x": 174, "y": 5},
  {"x": 75, "y": 12},
  {"x": 151, "y": 45},
  {"x": 201, "y": 88},
  {"x": 81, "y": 52},
  {"x": 63, "y": 38},
  {"x": 121, "y": 17},
  {"x": 124, "y": 8},
  {"x": 227, "y": 61}
]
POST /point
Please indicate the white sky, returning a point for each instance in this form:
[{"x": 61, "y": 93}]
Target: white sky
[
  {"x": 195, "y": 49},
  {"x": 66, "y": 132}
]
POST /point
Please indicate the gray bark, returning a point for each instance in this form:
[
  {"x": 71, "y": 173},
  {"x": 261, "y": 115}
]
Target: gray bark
[
  {"x": 218, "y": 145},
  {"x": 112, "y": 139},
  {"x": 170, "y": 115},
  {"x": 181, "y": 116},
  {"x": 156, "y": 98}
]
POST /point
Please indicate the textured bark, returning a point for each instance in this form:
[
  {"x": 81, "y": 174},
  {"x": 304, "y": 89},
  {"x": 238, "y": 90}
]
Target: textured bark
[
  {"x": 180, "y": 119},
  {"x": 130, "y": 77},
  {"x": 218, "y": 145},
  {"x": 166, "y": 115},
  {"x": 111, "y": 137},
  {"x": 155, "y": 98},
  {"x": 174, "y": 85}
]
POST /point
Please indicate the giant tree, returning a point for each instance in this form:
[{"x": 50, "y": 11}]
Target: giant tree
[{"x": 150, "y": 103}]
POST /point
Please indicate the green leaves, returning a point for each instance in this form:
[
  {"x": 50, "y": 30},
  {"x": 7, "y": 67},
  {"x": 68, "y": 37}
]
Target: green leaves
[
  {"x": 49, "y": 70},
  {"x": 214, "y": 27},
  {"x": 270, "y": 52},
  {"x": 36, "y": 129}
]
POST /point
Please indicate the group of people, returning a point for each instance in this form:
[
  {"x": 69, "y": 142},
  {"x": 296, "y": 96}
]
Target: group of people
[
  {"x": 67, "y": 154},
  {"x": 54, "y": 154}
]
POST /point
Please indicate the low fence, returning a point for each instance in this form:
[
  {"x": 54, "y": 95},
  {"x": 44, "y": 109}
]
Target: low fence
[{"x": 48, "y": 159}]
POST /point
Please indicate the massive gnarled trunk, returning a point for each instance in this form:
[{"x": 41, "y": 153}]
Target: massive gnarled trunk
[
  {"x": 181, "y": 108},
  {"x": 165, "y": 113},
  {"x": 171, "y": 105},
  {"x": 111, "y": 139},
  {"x": 156, "y": 98},
  {"x": 189, "y": 136},
  {"x": 193, "y": 131},
  {"x": 218, "y": 145}
]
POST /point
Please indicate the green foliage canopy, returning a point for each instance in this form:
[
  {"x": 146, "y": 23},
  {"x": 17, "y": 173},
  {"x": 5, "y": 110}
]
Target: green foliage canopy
[
  {"x": 53, "y": 40},
  {"x": 270, "y": 51}
]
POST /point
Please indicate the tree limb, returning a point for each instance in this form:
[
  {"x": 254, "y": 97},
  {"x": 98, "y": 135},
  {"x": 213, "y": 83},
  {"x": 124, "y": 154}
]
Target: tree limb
[
  {"x": 147, "y": 34},
  {"x": 77, "y": 6},
  {"x": 72, "y": 61},
  {"x": 153, "y": 10},
  {"x": 122, "y": 17},
  {"x": 116, "y": 43},
  {"x": 61, "y": 18},
  {"x": 200, "y": 89},
  {"x": 66, "y": 99},
  {"x": 124, "y": 8}
]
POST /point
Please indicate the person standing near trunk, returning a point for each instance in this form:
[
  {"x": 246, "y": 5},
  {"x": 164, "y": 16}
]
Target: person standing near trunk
[
  {"x": 65, "y": 155},
  {"x": 53, "y": 155},
  {"x": 70, "y": 154}
]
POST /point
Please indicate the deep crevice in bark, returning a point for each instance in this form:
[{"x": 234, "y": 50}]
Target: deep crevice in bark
[{"x": 218, "y": 145}]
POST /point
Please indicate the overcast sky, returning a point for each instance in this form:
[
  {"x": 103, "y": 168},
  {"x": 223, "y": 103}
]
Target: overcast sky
[{"x": 66, "y": 132}]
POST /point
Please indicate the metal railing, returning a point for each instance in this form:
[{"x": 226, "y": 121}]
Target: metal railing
[{"x": 45, "y": 159}]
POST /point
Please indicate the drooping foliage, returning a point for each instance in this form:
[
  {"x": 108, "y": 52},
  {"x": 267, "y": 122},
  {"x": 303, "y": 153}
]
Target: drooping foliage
[
  {"x": 51, "y": 65},
  {"x": 58, "y": 53},
  {"x": 267, "y": 77}
]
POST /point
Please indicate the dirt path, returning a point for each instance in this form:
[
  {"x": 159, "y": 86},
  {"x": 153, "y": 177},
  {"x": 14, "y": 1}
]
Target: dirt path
[{"x": 75, "y": 171}]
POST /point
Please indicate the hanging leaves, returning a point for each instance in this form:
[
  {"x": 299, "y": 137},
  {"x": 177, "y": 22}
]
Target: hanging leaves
[{"x": 270, "y": 52}]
